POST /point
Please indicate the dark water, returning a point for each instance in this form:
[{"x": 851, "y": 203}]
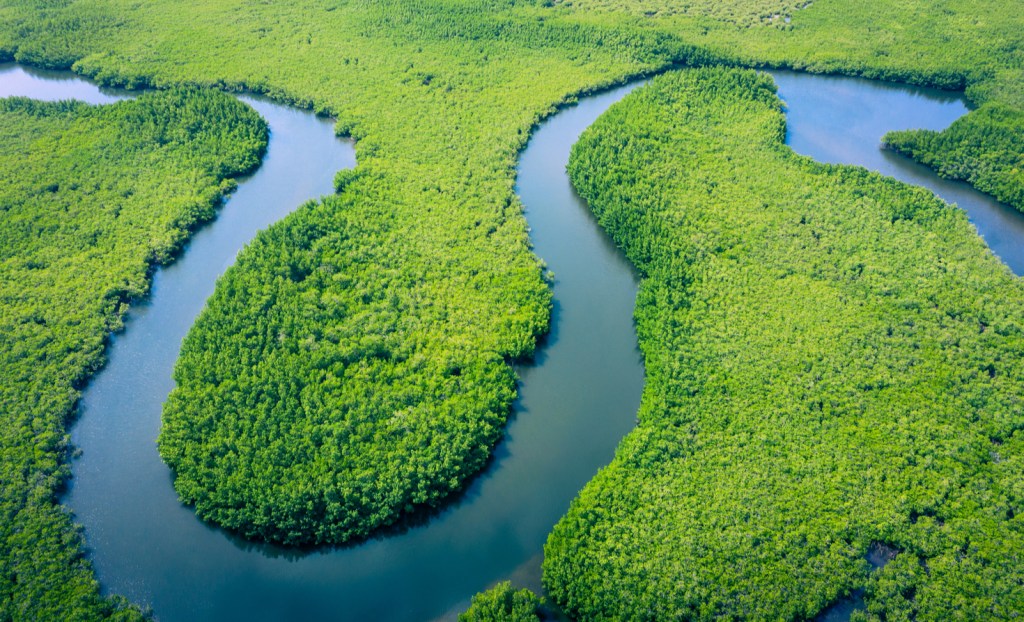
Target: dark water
[{"x": 577, "y": 401}]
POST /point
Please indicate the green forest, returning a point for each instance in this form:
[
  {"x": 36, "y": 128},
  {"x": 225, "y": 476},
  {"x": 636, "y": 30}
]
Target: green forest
[
  {"x": 503, "y": 603},
  {"x": 80, "y": 234},
  {"x": 833, "y": 361},
  {"x": 354, "y": 365},
  {"x": 985, "y": 149}
]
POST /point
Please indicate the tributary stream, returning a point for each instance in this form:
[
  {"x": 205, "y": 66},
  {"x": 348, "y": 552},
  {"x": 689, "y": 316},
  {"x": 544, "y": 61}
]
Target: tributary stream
[{"x": 577, "y": 399}]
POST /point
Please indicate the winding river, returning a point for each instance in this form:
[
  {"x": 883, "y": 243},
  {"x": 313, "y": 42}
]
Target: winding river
[{"x": 577, "y": 400}]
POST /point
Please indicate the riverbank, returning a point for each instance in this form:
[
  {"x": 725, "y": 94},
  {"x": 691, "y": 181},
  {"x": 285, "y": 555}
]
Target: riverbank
[{"x": 833, "y": 360}]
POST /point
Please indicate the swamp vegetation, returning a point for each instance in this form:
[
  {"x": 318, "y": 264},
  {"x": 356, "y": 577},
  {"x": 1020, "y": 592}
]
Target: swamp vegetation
[
  {"x": 833, "y": 361},
  {"x": 354, "y": 363},
  {"x": 503, "y": 603}
]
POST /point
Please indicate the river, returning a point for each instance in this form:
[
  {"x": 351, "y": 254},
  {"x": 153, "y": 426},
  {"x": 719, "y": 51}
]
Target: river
[{"x": 577, "y": 399}]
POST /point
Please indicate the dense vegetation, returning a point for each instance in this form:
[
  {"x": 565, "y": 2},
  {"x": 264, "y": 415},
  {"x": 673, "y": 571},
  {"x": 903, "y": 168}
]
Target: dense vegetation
[
  {"x": 745, "y": 13},
  {"x": 985, "y": 148},
  {"x": 945, "y": 43},
  {"x": 834, "y": 359},
  {"x": 353, "y": 364},
  {"x": 90, "y": 199},
  {"x": 503, "y": 603},
  {"x": 402, "y": 299}
]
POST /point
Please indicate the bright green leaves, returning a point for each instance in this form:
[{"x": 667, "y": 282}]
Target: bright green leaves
[
  {"x": 347, "y": 371},
  {"x": 502, "y": 603},
  {"x": 825, "y": 372}
]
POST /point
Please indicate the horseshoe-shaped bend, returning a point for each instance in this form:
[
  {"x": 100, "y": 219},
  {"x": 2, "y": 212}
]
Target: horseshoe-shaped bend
[{"x": 577, "y": 399}]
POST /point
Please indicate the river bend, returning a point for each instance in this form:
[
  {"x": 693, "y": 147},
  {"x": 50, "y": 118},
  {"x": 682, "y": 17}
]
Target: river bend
[{"x": 577, "y": 399}]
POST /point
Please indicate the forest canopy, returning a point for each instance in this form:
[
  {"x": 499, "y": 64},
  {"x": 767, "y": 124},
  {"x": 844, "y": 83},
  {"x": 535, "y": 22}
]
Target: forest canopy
[
  {"x": 440, "y": 95},
  {"x": 834, "y": 362},
  {"x": 503, "y": 603}
]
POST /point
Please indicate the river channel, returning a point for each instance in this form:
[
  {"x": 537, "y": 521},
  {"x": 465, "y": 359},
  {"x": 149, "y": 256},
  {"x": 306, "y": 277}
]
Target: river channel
[{"x": 577, "y": 399}]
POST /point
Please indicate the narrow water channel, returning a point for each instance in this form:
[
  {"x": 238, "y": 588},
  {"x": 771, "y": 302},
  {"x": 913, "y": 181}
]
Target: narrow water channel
[
  {"x": 577, "y": 400},
  {"x": 842, "y": 121}
]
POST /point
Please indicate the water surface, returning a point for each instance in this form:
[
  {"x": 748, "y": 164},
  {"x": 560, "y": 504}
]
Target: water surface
[{"x": 842, "y": 120}]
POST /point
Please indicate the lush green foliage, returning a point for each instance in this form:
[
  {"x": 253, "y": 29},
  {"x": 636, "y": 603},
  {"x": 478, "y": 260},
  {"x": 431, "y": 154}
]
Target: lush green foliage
[
  {"x": 739, "y": 12},
  {"x": 326, "y": 388},
  {"x": 353, "y": 364},
  {"x": 833, "y": 359},
  {"x": 90, "y": 199},
  {"x": 985, "y": 148},
  {"x": 378, "y": 375},
  {"x": 945, "y": 43},
  {"x": 379, "y": 370},
  {"x": 502, "y": 603},
  {"x": 430, "y": 259}
]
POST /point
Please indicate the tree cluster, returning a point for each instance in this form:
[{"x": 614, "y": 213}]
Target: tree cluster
[
  {"x": 834, "y": 361},
  {"x": 503, "y": 603}
]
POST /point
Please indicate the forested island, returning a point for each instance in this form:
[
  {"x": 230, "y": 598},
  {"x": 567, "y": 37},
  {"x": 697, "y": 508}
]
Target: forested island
[{"x": 832, "y": 356}]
